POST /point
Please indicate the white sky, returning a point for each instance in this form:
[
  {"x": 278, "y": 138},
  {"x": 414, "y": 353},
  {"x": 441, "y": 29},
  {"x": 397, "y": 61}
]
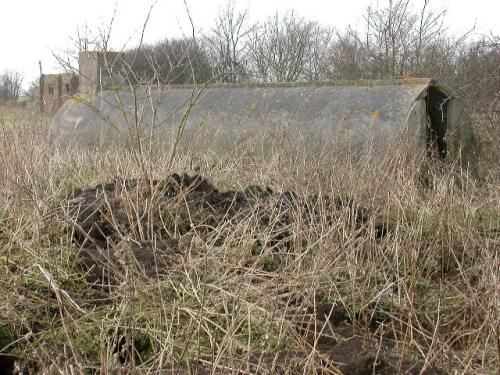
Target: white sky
[{"x": 31, "y": 29}]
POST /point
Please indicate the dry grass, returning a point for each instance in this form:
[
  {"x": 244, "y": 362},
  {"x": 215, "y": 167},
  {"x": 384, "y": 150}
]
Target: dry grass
[{"x": 425, "y": 294}]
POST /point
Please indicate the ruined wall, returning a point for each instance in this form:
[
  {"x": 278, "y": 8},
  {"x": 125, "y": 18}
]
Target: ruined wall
[
  {"x": 97, "y": 69},
  {"x": 56, "y": 90}
]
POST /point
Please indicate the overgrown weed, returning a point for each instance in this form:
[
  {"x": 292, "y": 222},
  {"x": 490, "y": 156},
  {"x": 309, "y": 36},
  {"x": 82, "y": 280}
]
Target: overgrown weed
[{"x": 233, "y": 299}]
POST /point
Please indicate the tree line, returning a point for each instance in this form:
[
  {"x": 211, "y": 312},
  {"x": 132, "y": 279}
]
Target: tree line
[
  {"x": 10, "y": 86},
  {"x": 396, "y": 40}
]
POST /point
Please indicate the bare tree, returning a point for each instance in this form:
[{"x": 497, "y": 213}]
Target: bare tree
[
  {"x": 10, "y": 85},
  {"x": 85, "y": 39},
  {"x": 281, "y": 47},
  {"x": 348, "y": 57},
  {"x": 429, "y": 30},
  {"x": 317, "y": 63},
  {"x": 171, "y": 61},
  {"x": 477, "y": 74},
  {"x": 33, "y": 87},
  {"x": 396, "y": 37},
  {"x": 227, "y": 43}
]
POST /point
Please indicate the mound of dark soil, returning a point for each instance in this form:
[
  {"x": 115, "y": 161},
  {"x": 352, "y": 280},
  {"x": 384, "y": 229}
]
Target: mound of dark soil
[
  {"x": 129, "y": 222},
  {"x": 356, "y": 355},
  {"x": 128, "y": 226}
]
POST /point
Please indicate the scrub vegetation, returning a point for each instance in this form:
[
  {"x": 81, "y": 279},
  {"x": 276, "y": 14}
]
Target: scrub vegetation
[
  {"x": 264, "y": 262},
  {"x": 159, "y": 259}
]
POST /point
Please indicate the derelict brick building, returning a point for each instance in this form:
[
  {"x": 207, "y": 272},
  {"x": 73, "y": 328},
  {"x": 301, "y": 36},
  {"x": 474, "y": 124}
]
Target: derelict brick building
[
  {"x": 96, "y": 69},
  {"x": 56, "y": 89}
]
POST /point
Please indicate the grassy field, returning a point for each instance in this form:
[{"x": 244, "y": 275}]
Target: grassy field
[{"x": 268, "y": 263}]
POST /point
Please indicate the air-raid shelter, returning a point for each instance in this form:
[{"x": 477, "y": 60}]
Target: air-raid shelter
[{"x": 371, "y": 112}]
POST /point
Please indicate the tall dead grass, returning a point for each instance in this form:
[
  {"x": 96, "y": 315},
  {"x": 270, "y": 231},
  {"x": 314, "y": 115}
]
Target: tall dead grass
[{"x": 427, "y": 292}]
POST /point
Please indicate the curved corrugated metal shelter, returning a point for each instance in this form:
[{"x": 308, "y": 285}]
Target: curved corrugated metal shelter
[{"x": 370, "y": 111}]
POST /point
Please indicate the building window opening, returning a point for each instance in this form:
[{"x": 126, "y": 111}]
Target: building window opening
[
  {"x": 67, "y": 88},
  {"x": 51, "y": 89}
]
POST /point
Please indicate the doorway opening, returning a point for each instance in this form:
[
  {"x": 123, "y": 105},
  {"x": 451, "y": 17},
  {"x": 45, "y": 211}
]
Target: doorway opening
[{"x": 437, "y": 122}]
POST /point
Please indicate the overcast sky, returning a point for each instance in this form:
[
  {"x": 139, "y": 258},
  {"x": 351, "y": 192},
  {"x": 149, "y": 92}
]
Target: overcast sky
[{"x": 31, "y": 29}]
